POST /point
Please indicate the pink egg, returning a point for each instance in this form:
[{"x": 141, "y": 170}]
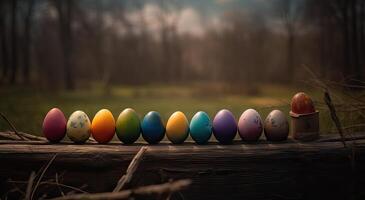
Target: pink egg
[
  {"x": 54, "y": 125},
  {"x": 250, "y": 125}
]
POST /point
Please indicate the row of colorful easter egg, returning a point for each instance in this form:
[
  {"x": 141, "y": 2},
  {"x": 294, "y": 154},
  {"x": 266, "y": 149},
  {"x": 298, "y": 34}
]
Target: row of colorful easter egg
[{"x": 128, "y": 126}]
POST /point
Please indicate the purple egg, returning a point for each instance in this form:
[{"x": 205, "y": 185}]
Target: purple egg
[
  {"x": 250, "y": 125},
  {"x": 54, "y": 125},
  {"x": 224, "y": 126}
]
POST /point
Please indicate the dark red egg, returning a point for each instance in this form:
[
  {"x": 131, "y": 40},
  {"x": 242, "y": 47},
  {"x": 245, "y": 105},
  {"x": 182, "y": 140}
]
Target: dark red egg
[
  {"x": 301, "y": 103},
  {"x": 54, "y": 125}
]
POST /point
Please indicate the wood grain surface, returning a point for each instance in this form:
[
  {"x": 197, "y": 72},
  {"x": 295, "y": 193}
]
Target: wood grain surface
[{"x": 263, "y": 170}]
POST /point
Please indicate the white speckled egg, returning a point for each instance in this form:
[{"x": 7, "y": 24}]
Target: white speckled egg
[
  {"x": 276, "y": 126},
  {"x": 78, "y": 127}
]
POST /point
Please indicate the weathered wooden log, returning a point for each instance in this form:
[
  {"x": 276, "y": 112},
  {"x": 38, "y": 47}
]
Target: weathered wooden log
[{"x": 287, "y": 170}]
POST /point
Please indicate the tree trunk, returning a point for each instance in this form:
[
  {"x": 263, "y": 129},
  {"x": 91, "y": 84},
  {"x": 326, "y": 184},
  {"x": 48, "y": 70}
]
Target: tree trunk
[
  {"x": 362, "y": 38},
  {"x": 14, "y": 42},
  {"x": 347, "y": 66},
  {"x": 166, "y": 55},
  {"x": 27, "y": 41},
  {"x": 65, "y": 17},
  {"x": 290, "y": 55},
  {"x": 68, "y": 49},
  {"x": 3, "y": 40},
  {"x": 98, "y": 52},
  {"x": 178, "y": 60},
  {"x": 355, "y": 42},
  {"x": 322, "y": 42}
]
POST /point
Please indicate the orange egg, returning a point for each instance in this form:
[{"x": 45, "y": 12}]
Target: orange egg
[
  {"x": 177, "y": 128},
  {"x": 103, "y": 126}
]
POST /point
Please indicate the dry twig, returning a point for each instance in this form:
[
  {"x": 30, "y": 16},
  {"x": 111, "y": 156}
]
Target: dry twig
[
  {"x": 30, "y": 186},
  {"x": 12, "y": 127},
  {"x": 327, "y": 99},
  {"x": 29, "y": 137},
  {"x": 58, "y": 185},
  {"x": 32, "y": 137},
  {"x": 127, "y": 177},
  {"x": 159, "y": 189},
  {"x": 52, "y": 182},
  {"x": 10, "y": 136},
  {"x": 30, "y": 190},
  {"x": 63, "y": 185},
  {"x": 41, "y": 176}
]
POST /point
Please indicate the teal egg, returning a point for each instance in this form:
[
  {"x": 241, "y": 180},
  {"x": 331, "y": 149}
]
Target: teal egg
[{"x": 201, "y": 127}]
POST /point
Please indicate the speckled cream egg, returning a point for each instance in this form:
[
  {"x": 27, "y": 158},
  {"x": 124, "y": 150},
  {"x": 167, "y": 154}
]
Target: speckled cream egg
[
  {"x": 276, "y": 126},
  {"x": 78, "y": 127}
]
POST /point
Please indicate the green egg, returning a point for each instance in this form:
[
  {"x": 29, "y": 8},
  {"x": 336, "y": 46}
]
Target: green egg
[{"x": 128, "y": 126}]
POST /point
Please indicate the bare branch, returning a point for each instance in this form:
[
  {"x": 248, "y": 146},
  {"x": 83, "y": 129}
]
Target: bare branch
[
  {"x": 159, "y": 189},
  {"x": 63, "y": 185},
  {"x": 125, "y": 179},
  {"x": 29, "y": 137},
  {"x": 10, "y": 136},
  {"x": 327, "y": 99},
  {"x": 30, "y": 186},
  {"x": 58, "y": 185},
  {"x": 41, "y": 176},
  {"x": 12, "y": 127}
]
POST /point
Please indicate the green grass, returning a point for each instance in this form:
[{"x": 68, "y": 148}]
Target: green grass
[{"x": 26, "y": 108}]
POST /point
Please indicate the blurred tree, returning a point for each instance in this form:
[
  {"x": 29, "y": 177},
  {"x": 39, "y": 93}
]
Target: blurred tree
[
  {"x": 78, "y": 41},
  {"x": 289, "y": 15},
  {"x": 318, "y": 14},
  {"x": 14, "y": 41},
  {"x": 4, "y": 38},
  {"x": 362, "y": 37},
  {"x": 347, "y": 13},
  {"x": 99, "y": 37},
  {"x": 65, "y": 15},
  {"x": 48, "y": 50},
  {"x": 27, "y": 40},
  {"x": 235, "y": 59},
  {"x": 344, "y": 18},
  {"x": 355, "y": 40},
  {"x": 170, "y": 43}
]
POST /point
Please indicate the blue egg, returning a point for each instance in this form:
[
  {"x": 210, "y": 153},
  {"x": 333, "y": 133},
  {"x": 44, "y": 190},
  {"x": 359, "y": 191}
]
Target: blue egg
[
  {"x": 201, "y": 127},
  {"x": 153, "y": 129}
]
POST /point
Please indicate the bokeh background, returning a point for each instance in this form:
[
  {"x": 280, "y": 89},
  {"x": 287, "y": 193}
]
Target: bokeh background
[{"x": 187, "y": 55}]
